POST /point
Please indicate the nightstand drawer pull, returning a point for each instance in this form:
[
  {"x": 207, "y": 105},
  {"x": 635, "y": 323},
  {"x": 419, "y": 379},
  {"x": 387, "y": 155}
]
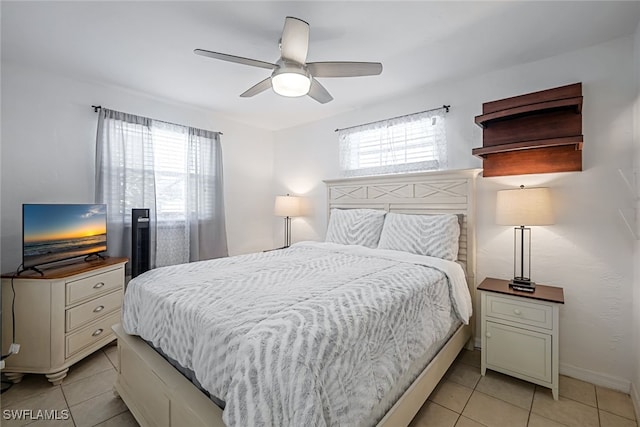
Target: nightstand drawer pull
[
  {"x": 97, "y": 332},
  {"x": 98, "y": 285},
  {"x": 488, "y": 334},
  {"x": 98, "y": 309},
  {"x": 517, "y": 311}
]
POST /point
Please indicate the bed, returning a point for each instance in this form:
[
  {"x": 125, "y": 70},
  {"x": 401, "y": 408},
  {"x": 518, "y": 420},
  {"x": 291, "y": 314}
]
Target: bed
[{"x": 307, "y": 381}]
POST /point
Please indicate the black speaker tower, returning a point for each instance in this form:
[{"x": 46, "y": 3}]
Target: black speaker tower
[{"x": 140, "y": 242}]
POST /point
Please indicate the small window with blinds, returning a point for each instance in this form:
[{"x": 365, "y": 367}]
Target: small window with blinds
[{"x": 412, "y": 143}]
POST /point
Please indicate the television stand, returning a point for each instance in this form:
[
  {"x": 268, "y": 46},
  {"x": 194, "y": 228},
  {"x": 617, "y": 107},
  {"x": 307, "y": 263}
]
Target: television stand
[{"x": 61, "y": 316}]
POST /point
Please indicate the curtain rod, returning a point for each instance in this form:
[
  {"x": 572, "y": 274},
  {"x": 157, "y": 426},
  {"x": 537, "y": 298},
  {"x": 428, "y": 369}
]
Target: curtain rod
[
  {"x": 96, "y": 108},
  {"x": 446, "y": 108}
]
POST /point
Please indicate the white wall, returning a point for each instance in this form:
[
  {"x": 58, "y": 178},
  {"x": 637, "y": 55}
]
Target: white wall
[
  {"x": 588, "y": 251},
  {"x": 48, "y": 153},
  {"x": 635, "y": 392}
]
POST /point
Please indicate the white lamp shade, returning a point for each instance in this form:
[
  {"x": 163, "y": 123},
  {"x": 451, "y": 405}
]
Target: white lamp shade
[
  {"x": 287, "y": 206},
  {"x": 524, "y": 206}
]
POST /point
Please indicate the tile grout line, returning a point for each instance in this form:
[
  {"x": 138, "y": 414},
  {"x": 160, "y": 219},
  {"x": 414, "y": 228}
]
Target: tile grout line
[
  {"x": 73, "y": 421},
  {"x": 30, "y": 396},
  {"x": 108, "y": 358},
  {"x": 116, "y": 415},
  {"x": 85, "y": 379},
  {"x": 595, "y": 389}
]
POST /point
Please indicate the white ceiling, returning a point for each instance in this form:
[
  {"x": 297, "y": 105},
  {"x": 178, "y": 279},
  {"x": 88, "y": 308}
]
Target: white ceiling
[{"x": 148, "y": 46}]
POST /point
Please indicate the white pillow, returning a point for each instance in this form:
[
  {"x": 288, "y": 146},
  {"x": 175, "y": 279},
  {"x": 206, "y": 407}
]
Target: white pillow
[
  {"x": 431, "y": 235},
  {"x": 355, "y": 227}
]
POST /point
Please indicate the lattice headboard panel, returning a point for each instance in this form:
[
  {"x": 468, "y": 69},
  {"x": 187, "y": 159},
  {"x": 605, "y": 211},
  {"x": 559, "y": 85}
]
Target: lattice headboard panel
[{"x": 418, "y": 193}]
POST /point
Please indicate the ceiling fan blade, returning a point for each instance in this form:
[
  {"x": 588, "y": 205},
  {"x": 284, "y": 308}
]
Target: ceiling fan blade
[
  {"x": 319, "y": 93},
  {"x": 294, "y": 42},
  {"x": 236, "y": 59},
  {"x": 257, "y": 88},
  {"x": 344, "y": 69}
]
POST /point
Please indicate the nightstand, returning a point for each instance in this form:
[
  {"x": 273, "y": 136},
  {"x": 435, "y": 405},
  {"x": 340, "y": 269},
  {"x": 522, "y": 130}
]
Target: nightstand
[{"x": 520, "y": 332}]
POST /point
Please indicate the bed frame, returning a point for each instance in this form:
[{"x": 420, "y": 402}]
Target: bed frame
[{"x": 158, "y": 395}]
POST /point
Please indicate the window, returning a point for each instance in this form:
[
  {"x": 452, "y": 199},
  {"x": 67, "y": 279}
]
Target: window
[
  {"x": 176, "y": 169},
  {"x": 416, "y": 142},
  {"x": 173, "y": 170}
]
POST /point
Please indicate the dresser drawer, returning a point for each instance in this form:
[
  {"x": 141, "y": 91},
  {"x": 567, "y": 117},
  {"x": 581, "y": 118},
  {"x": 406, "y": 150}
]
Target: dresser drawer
[
  {"x": 89, "y": 335},
  {"x": 518, "y": 310},
  {"x": 92, "y": 286},
  {"x": 91, "y": 310}
]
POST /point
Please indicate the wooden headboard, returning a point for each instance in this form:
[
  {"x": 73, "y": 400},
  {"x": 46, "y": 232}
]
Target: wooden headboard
[{"x": 425, "y": 193}]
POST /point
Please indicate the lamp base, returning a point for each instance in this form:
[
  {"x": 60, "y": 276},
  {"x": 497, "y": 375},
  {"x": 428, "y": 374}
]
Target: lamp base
[{"x": 522, "y": 284}]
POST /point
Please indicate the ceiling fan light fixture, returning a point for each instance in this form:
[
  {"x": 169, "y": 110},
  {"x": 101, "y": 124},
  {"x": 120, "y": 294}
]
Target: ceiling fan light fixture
[
  {"x": 291, "y": 75},
  {"x": 291, "y": 82}
]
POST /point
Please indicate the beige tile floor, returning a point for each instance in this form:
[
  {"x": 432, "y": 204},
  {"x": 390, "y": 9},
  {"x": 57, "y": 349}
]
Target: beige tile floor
[
  {"x": 462, "y": 399},
  {"x": 86, "y": 392},
  {"x": 466, "y": 399}
]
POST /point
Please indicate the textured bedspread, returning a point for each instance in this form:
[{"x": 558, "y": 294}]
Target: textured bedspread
[{"x": 313, "y": 335}]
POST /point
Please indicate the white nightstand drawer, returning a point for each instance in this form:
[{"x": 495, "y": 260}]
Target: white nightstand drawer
[
  {"x": 89, "y": 287},
  {"x": 91, "y": 310},
  {"x": 518, "y": 351},
  {"x": 516, "y": 310}
]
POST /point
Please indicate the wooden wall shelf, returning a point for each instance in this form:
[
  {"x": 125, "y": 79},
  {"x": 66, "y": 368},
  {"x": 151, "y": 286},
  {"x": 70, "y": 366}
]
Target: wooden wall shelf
[
  {"x": 539, "y": 132},
  {"x": 573, "y": 141},
  {"x": 574, "y": 104}
]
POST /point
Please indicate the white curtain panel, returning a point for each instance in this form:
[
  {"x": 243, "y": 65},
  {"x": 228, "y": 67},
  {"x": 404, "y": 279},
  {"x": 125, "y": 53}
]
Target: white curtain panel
[{"x": 173, "y": 170}]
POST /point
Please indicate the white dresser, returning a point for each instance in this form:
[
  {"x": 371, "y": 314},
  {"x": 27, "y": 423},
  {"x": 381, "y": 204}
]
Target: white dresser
[
  {"x": 61, "y": 316},
  {"x": 520, "y": 332}
]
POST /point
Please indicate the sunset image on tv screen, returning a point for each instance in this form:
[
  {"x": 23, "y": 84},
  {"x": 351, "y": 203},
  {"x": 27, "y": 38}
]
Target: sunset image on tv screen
[{"x": 55, "y": 232}]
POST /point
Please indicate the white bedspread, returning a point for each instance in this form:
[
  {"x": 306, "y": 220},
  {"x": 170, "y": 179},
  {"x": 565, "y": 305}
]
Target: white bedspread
[{"x": 313, "y": 335}]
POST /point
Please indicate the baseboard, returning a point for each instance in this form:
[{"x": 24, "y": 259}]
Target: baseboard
[
  {"x": 635, "y": 398},
  {"x": 597, "y": 378}
]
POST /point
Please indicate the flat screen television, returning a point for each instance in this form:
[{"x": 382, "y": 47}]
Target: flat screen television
[{"x": 56, "y": 232}]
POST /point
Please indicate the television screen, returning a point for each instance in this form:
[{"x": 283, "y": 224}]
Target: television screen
[{"x": 52, "y": 233}]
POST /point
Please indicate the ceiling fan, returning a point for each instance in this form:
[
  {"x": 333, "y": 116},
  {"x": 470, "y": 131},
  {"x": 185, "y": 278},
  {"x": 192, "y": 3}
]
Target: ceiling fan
[{"x": 291, "y": 76}]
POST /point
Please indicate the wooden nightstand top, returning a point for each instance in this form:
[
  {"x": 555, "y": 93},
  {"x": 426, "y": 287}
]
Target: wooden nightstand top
[{"x": 542, "y": 292}]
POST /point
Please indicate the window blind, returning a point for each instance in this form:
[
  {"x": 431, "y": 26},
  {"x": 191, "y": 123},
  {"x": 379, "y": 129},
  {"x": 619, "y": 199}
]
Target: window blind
[{"x": 409, "y": 143}]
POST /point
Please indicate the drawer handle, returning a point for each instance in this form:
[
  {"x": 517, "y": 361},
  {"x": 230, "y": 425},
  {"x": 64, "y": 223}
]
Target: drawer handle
[
  {"x": 98, "y": 285},
  {"x": 98, "y": 309},
  {"x": 517, "y": 311},
  {"x": 488, "y": 334},
  {"x": 97, "y": 332}
]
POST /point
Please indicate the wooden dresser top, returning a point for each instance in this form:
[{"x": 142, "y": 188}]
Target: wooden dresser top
[{"x": 71, "y": 268}]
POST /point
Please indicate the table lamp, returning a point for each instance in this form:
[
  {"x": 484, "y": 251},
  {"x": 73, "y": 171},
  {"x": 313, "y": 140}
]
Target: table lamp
[
  {"x": 287, "y": 206},
  {"x": 523, "y": 207}
]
